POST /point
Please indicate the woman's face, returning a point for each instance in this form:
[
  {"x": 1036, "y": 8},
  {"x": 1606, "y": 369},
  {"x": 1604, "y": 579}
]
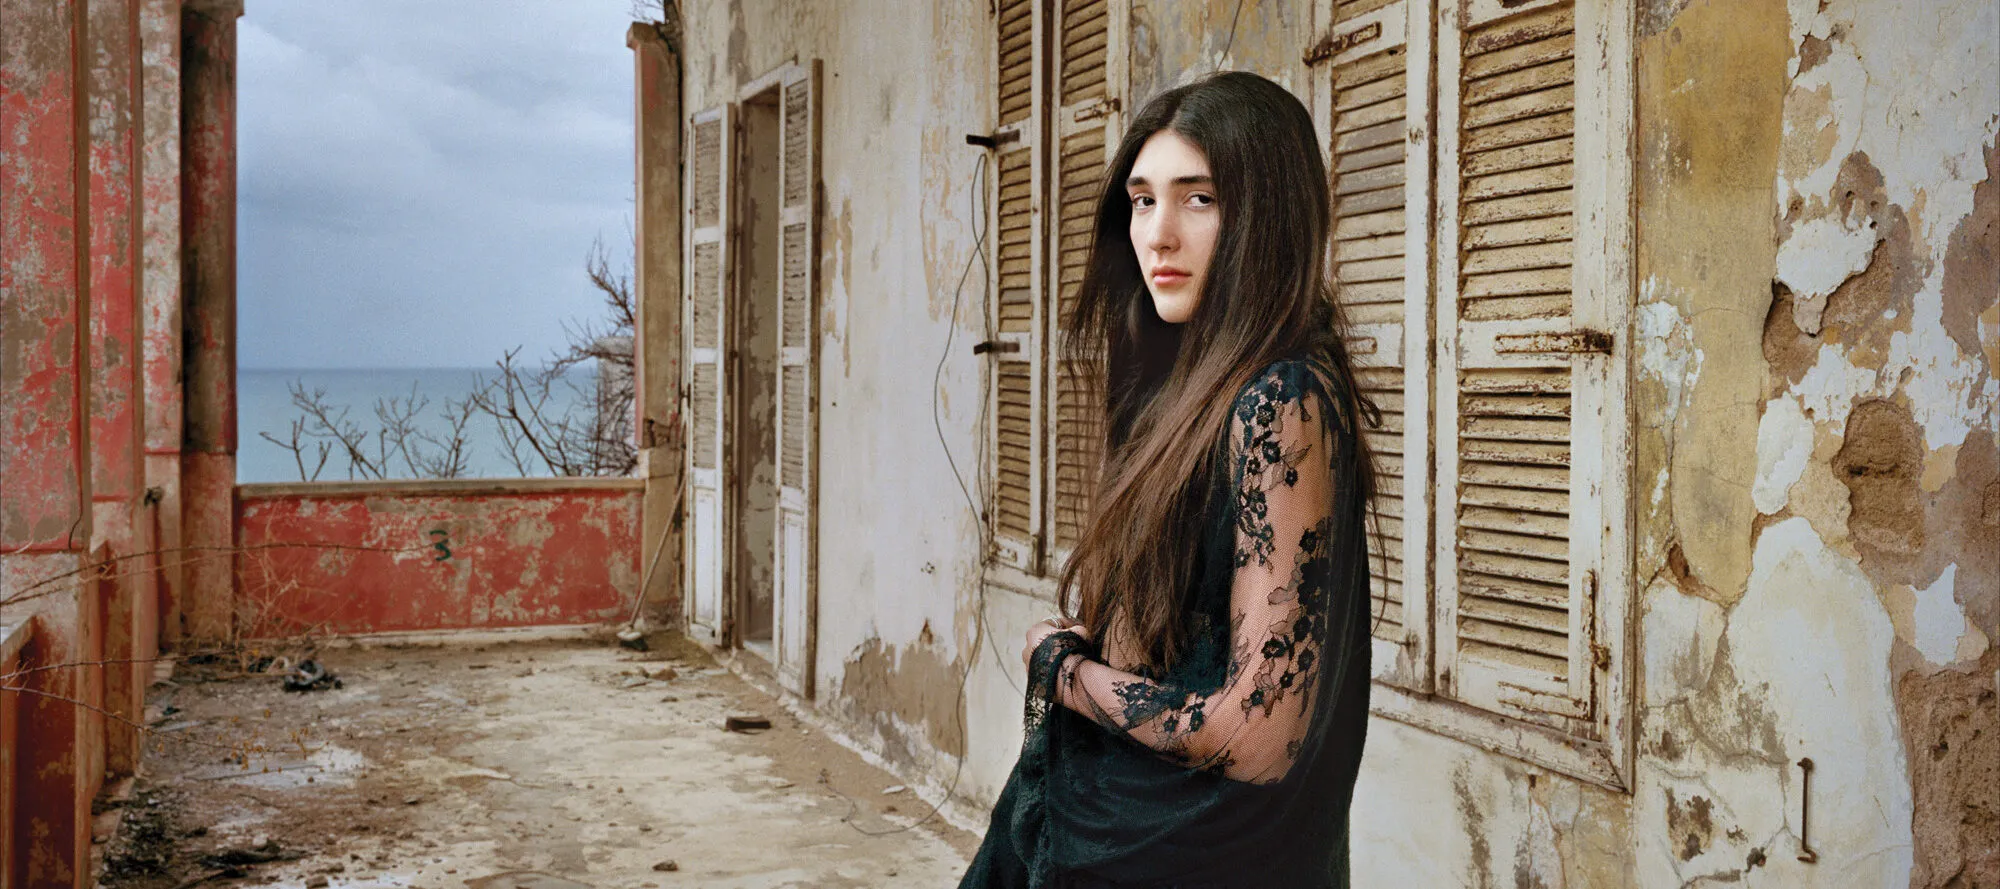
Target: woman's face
[{"x": 1174, "y": 222}]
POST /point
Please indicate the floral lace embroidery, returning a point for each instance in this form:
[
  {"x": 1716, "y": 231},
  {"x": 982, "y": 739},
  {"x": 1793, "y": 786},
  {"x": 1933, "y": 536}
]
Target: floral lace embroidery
[{"x": 1282, "y": 504}]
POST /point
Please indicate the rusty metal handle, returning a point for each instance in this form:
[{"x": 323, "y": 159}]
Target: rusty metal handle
[
  {"x": 1806, "y": 853},
  {"x": 1576, "y": 342}
]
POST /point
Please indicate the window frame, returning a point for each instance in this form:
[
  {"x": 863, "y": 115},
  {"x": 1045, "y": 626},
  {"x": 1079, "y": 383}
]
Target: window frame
[
  {"x": 1603, "y": 285},
  {"x": 1031, "y": 565}
]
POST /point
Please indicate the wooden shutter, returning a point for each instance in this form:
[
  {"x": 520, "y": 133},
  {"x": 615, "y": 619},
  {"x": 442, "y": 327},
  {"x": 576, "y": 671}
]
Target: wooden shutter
[
  {"x": 1018, "y": 289},
  {"x": 1089, "y": 79},
  {"x": 797, "y": 396},
  {"x": 1531, "y": 412},
  {"x": 710, "y": 134},
  {"x": 1380, "y": 158}
]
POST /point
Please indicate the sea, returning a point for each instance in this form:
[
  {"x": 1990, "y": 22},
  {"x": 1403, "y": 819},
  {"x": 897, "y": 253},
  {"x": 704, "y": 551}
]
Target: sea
[{"x": 264, "y": 405}]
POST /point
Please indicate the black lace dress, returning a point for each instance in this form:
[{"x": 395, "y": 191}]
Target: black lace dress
[{"x": 1235, "y": 768}]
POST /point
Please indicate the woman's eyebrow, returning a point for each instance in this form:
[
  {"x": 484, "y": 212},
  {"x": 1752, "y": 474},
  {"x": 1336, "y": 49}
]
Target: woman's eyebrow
[{"x": 1140, "y": 181}]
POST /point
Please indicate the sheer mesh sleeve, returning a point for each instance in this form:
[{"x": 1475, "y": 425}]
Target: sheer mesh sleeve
[{"x": 1251, "y": 728}]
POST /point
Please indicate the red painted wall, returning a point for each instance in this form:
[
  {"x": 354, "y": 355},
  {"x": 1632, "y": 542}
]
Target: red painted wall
[{"x": 374, "y": 557}]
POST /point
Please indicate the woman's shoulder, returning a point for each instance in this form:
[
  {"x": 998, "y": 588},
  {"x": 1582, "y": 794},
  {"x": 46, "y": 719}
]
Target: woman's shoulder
[{"x": 1297, "y": 379}]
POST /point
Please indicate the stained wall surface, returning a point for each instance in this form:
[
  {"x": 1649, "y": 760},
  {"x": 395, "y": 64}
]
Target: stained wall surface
[
  {"x": 1815, "y": 404},
  {"x": 427, "y": 556}
]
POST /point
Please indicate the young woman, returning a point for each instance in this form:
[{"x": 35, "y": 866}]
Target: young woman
[{"x": 1196, "y": 720}]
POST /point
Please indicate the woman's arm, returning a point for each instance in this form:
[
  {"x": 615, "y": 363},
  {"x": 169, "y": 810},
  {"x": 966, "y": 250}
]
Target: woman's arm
[{"x": 1251, "y": 728}]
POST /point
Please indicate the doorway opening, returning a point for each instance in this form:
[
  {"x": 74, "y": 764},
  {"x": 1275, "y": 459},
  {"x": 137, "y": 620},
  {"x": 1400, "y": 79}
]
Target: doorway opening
[{"x": 757, "y": 368}]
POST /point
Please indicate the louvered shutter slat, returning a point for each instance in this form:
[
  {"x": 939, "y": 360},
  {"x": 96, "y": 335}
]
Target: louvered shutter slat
[
  {"x": 706, "y": 290},
  {"x": 1379, "y": 183},
  {"x": 1349, "y": 9},
  {"x": 1514, "y": 607},
  {"x": 796, "y": 387},
  {"x": 1084, "y": 49},
  {"x": 1015, "y": 430}
]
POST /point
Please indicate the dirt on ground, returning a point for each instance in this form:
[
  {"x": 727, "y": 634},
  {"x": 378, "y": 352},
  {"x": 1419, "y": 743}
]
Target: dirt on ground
[{"x": 524, "y": 765}]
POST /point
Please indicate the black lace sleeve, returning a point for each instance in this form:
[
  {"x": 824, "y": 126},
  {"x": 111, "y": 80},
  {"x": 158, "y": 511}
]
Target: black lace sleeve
[{"x": 1252, "y": 727}]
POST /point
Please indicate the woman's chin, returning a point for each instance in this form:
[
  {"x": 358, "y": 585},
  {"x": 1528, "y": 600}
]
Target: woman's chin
[{"x": 1173, "y": 308}]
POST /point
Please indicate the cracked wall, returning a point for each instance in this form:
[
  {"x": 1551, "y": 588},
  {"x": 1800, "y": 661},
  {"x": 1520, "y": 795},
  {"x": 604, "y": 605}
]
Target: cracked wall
[
  {"x": 1817, "y": 263},
  {"x": 1817, "y": 481},
  {"x": 904, "y": 610},
  {"x": 374, "y": 557},
  {"x": 1817, "y": 344}
]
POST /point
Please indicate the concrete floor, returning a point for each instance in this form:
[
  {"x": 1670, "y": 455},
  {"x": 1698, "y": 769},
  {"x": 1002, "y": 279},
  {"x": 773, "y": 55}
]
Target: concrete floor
[{"x": 542, "y": 765}]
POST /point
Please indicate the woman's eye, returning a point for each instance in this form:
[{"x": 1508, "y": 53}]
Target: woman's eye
[
  {"x": 1142, "y": 201},
  {"x": 1202, "y": 200}
]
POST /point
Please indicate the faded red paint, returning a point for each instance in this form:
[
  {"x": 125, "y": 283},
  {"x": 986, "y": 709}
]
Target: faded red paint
[
  {"x": 42, "y": 441},
  {"x": 160, "y": 206},
  {"x": 69, "y": 343},
  {"x": 208, "y": 529},
  {"x": 163, "y": 474},
  {"x": 160, "y": 289},
  {"x": 514, "y": 554},
  {"x": 208, "y": 238},
  {"x": 115, "y": 350},
  {"x": 13, "y": 637},
  {"x": 58, "y": 754},
  {"x": 114, "y": 257},
  {"x": 130, "y": 645}
]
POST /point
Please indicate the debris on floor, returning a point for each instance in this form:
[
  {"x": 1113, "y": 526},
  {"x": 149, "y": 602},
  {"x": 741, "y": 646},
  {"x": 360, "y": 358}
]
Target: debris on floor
[
  {"x": 310, "y": 676},
  {"x": 520, "y": 766}
]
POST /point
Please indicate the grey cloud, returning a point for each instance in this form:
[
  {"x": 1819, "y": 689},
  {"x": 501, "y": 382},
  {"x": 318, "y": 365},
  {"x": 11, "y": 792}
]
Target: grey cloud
[{"x": 419, "y": 182}]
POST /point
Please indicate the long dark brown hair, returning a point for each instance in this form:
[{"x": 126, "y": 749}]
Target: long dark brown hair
[{"x": 1167, "y": 388}]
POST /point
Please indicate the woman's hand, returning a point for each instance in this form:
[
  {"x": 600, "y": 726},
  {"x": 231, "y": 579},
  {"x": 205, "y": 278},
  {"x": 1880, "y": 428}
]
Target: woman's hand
[{"x": 1043, "y": 629}]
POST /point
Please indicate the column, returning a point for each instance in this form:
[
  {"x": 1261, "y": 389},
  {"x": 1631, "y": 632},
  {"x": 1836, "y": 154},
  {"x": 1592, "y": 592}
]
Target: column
[
  {"x": 160, "y": 287},
  {"x": 657, "y": 342},
  {"x": 208, "y": 281},
  {"x": 45, "y": 521},
  {"x": 117, "y": 520}
]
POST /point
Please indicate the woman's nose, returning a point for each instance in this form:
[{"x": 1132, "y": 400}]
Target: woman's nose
[{"x": 1161, "y": 236}]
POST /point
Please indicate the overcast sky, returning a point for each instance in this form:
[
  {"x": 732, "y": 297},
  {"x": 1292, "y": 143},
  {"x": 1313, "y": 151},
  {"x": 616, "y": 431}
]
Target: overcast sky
[{"x": 420, "y": 182}]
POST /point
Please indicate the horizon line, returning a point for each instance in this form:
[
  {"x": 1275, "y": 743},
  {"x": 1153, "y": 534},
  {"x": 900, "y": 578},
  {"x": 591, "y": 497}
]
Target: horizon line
[{"x": 399, "y": 367}]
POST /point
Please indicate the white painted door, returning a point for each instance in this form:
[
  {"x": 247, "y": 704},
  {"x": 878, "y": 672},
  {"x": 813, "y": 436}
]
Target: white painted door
[
  {"x": 797, "y": 396},
  {"x": 707, "y": 288},
  {"x": 1380, "y": 152}
]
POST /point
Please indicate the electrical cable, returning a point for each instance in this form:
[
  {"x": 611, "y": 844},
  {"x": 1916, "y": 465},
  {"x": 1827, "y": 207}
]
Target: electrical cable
[
  {"x": 1231, "y": 42},
  {"x": 978, "y": 210}
]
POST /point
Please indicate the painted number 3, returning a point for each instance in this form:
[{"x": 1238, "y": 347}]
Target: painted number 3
[{"x": 441, "y": 542}]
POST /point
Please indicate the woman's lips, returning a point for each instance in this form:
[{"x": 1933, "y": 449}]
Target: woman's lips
[{"x": 1168, "y": 279}]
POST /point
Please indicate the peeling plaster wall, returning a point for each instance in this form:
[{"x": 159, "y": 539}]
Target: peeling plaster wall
[
  {"x": 900, "y": 581},
  {"x": 1175, "y": 41},
  {"x": 1817, "y": 476},
  {"x": 897, "y": 551},
  {"x": 435, "y": 555},
  {"x": 1818, "y": 494},
  {"x": 1817, "y": 263}
]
